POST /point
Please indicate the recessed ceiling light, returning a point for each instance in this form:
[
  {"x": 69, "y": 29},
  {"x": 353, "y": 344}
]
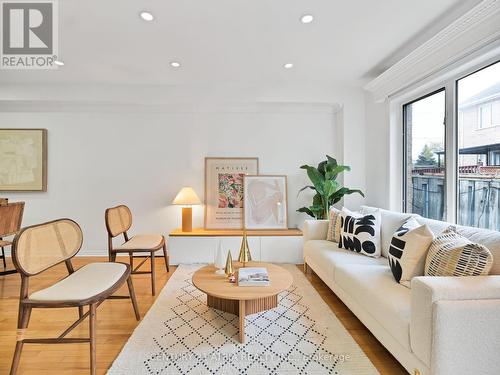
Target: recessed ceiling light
[
  {"x": 58, "y": 63},
  {"x": 288, "y": 66},
  {"x": 307, "y": 18},
  {"x": 146, "y": 16},
  {"x": 175, "y": 64}
]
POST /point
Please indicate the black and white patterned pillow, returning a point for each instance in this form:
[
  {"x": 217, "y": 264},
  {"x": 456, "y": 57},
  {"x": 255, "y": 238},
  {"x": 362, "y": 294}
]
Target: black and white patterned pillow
[
  {"x": 408, "y": 250},
  {"x": 360, "y": 233}
]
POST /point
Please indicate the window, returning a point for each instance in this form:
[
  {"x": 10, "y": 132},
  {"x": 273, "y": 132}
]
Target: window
[
  {"x": 452, "y": 163},
  {"x": 479, "y": 151},
  {"x": 424, "y": 132},
  {"x": 484, "y": 116}
]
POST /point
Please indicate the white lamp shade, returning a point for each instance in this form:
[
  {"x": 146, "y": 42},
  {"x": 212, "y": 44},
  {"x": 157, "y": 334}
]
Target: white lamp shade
[{"x": 186, "y": 197}]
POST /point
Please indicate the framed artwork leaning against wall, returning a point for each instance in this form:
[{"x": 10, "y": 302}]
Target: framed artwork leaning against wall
[
  {"x": 224, "y": 190},
  {"x": 23, "y": 159},
  {"x": 265, "y": 202}
]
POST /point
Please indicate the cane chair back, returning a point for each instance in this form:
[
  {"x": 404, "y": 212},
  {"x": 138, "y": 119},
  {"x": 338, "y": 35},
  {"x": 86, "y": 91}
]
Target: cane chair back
[
  {"x": 118, "y": 220},
  {"x": 42, "y": 246},
  {"x": 11, "y": 215}
]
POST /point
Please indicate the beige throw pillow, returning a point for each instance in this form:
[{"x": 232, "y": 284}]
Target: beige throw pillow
[
  {"x": 451, "y": 254},
  {"x": 408, "y": 250},
  {"x": 334, "y": 225}
]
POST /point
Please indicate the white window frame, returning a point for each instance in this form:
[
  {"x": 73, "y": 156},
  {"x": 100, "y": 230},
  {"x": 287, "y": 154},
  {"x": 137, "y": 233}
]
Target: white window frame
[{"x": 448, "y": 79}]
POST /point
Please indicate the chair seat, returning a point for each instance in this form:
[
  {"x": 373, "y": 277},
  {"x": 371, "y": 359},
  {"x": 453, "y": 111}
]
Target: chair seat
[
  {"x": 142, "y": 242},
  {"x": 85, "y": 283},
  {"x": 5, "y": 243}
]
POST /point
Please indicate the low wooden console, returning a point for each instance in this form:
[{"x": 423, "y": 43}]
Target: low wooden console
[{"x": 199, "y": 246}]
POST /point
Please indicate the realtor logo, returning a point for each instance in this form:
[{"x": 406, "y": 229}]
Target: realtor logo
[{"x": 29, "y": 34}]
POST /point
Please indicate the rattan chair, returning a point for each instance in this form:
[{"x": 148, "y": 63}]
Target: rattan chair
[
  {"x": 118, "y": 221},
  {"x": 11, "y": 215},
  {"x": 40, "y": 247}
]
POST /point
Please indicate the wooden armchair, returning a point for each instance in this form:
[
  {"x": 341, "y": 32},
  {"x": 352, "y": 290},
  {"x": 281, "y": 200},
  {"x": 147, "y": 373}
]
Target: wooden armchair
[
  {"x": 11, "y": 215},
  {"x": 40, "y": 247},
  {"x": 118, "y": 221}
]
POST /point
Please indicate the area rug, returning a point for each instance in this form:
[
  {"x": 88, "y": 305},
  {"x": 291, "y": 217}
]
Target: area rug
[{"x": 181, "y": 335}]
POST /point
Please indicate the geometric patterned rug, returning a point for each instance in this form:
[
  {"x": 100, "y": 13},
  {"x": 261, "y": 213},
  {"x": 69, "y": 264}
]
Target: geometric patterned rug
[{"x": 181, "y": 335}]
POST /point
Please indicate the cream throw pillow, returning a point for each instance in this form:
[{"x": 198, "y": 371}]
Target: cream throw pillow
[
  {"x": 452, "y": 254},
  {"x": 333, "y": 233},
  {"x": 360, "y": 233},
  {"x": 408, "y": 250}
]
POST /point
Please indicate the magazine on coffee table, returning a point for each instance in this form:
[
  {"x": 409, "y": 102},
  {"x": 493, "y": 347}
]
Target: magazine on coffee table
[{"x": 253, "y": 276}]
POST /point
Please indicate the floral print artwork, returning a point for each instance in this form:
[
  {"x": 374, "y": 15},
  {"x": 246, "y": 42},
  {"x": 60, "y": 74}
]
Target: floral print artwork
[{"x": 231, "y": 190}]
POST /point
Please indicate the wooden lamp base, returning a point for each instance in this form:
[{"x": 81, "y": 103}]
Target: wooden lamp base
[{"x": 187, "y": 219}]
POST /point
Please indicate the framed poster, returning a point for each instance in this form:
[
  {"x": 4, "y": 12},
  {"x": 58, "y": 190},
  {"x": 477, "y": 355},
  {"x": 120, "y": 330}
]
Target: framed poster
[
  {"x": 265, "y": 202},
  {"x": 23, "y": 159},
  {"x": 224, "y": 191}
]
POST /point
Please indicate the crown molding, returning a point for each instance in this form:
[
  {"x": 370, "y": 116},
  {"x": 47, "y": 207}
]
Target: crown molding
[
  {"x": 62, "y": 106},
  {"x": 474, "y": 30}
]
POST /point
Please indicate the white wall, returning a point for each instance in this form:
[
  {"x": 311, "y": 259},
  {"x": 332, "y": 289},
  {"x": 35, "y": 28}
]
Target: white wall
[
  {"x": 377, "y": 153},
  {"x": 97, "y": 160},
  {"x": 354, "y": 138}
]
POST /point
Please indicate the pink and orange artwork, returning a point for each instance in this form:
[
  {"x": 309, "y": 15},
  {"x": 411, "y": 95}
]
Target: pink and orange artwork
[
  {"x": 224, "y": 190},
  {"x": 231, "y": 190}
]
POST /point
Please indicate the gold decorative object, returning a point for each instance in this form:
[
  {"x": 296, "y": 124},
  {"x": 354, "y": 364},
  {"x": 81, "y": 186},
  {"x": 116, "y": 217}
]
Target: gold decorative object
[
  {"x": 229, "y": 264},
  {"x": 244, "y": 255}
]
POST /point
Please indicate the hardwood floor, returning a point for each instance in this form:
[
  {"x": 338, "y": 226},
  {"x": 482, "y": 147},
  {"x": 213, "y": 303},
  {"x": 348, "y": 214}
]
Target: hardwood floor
[
  {"x": 378, "y": 354},
  {"x": 116, "y": 322}
]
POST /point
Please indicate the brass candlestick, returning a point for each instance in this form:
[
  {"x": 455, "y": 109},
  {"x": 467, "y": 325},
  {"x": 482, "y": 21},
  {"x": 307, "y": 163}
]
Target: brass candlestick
[
  {"x": 244, "y": 255},
  {"x": 229, "y": 264}
]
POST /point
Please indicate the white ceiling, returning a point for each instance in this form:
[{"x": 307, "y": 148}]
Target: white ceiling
[{"x": 237, "y": 41}]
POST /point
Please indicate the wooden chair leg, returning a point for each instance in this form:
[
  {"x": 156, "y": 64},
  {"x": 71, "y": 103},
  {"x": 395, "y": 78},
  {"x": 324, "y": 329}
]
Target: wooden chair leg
[
  {"x": 3, "y": 258},
  {"x": 92, "y": 331},
  {"x": 132, "y": 297},
  {"x": 153, "y": 274},
  {"x": 165, "y": 255},
  {"x": 80, "y": 311},
  {"x": 21, "y": 326},
  {"x": 131, "y": 259}
]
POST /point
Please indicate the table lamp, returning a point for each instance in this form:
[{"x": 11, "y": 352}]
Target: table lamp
[{"x": 187, "y": 197}]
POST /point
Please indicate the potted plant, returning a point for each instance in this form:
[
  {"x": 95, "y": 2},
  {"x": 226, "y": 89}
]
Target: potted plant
[{"x": 328, "y": 190}]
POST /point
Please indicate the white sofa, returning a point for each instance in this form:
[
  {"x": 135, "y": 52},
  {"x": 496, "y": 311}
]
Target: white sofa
[{"x": 442, "y": 325}]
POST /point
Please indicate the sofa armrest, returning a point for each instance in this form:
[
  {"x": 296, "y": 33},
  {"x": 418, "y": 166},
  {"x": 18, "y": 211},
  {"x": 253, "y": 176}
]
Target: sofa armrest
[
  {"x": 441, "y": 304},
  {"x": 315, "y": 230}
]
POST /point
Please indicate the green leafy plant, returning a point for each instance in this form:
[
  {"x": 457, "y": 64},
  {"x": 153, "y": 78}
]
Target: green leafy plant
[{"x": 328, "y": 190}]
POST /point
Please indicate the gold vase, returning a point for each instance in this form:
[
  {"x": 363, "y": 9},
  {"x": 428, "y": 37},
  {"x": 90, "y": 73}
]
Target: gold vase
[
  {"x": 244, "y": 255},
  {"x": 229, "y": 264}
]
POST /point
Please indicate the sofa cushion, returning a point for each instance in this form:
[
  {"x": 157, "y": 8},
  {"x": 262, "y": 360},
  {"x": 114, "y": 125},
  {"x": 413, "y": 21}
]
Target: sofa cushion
[
  {"x": 436, "y": 226},
  {"x": 408, "y": 251},
  {"x": 326, "y": 254},
  {"x": 333, "y": 233},
  {"x": 486, "y": 237},
  {"x": 452, "y": 254},
  {"x": 360, "y": 233},
  {"x": 373, "y": 287},
  {"x": 390, "y": 222}
]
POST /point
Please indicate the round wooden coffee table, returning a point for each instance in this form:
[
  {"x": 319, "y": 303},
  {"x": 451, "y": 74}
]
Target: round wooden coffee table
[{"x": 242, "y": 300}]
